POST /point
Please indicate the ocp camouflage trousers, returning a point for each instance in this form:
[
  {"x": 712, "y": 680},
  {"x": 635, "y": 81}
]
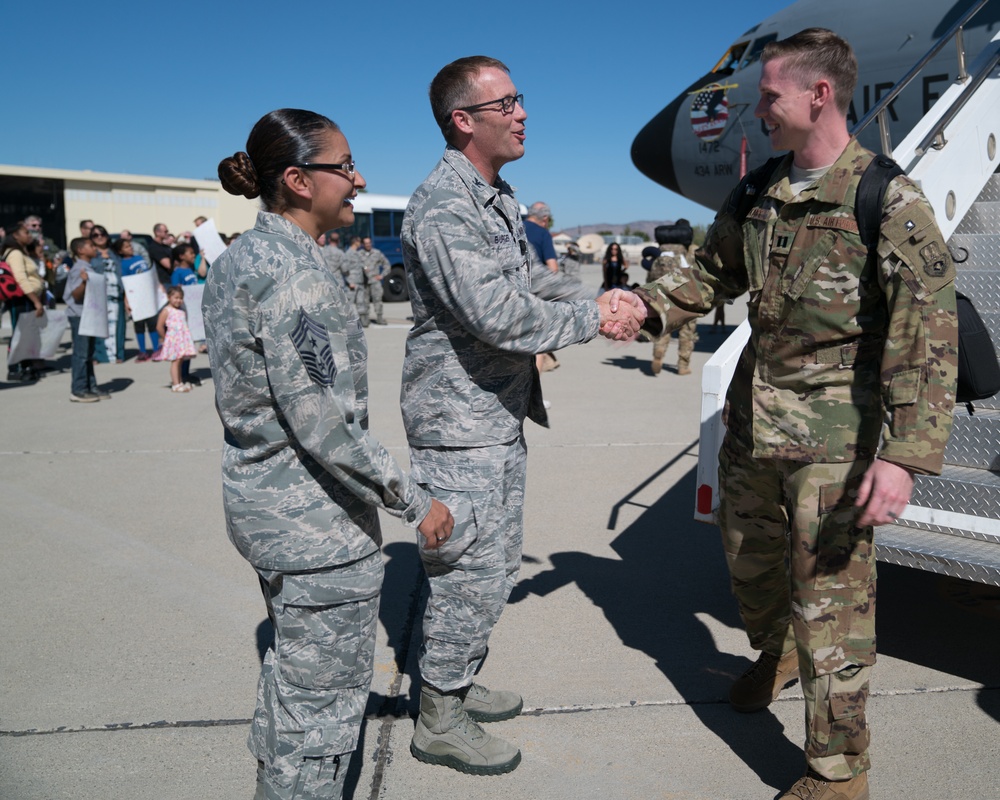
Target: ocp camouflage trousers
[
  {"x": 315, "y": 679},
  {"x": 472, "y": 574},
  {"x": 804, "y": 576},
  {"x": 687, "y": 335}
]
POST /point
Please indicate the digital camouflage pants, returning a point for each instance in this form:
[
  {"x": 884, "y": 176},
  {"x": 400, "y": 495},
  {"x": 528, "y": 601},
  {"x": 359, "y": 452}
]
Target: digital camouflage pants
[
  {"x": 471, "y": 575},
  {"x": 315, "y": 679},
  {"x": 360, "y": 297},
  {"x": 375, "y": 292},
  {"x": 804, "y": 577}
]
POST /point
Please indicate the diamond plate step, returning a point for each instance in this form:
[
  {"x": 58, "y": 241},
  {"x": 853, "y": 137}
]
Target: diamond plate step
[
  {"x": 971, "y": 491},
  {"x": 970, "y": 559},
  {"x": 975, "y": 440},
  {"x": 991, "y": 191},
  {"x": 983, "y": 250},
  {"x": 983, "y": 217},
  {"x": 980, "y": 286}
]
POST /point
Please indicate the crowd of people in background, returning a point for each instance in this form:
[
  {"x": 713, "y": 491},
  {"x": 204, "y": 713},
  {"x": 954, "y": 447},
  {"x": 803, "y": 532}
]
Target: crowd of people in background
[
  {"x": 41, "y": 275},
  {"x": 41, "y": 269}
]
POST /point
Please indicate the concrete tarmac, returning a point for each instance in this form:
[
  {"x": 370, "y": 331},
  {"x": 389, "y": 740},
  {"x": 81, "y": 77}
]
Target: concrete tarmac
[{"x": 133, "y": 631}]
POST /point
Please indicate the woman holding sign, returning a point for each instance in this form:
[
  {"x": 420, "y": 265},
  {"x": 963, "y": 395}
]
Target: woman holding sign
[{"x": 302, "y": 477}]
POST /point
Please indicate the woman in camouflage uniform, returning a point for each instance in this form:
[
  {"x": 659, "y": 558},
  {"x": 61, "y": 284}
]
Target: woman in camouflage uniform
[{"x": 302, "y": 478}]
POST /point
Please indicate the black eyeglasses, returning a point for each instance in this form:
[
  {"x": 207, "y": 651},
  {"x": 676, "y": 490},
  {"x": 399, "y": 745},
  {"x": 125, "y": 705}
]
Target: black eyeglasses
[
  {"x": 95, "y": 234},
  {"x": 347, "y": 167},
  {"x": 506, "y": 104}
]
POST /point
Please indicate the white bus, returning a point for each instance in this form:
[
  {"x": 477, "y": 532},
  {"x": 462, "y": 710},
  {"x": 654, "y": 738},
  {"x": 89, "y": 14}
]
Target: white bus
[{"x": 380, "y": 216}]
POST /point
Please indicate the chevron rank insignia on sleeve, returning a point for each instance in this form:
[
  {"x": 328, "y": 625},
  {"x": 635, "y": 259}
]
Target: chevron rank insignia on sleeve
[{"x": 312, "y": 341}]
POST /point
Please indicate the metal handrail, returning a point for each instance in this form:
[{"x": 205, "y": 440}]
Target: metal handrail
[
  {"x": 880, "y": 108},
  {"x": 957, "y": 106}
]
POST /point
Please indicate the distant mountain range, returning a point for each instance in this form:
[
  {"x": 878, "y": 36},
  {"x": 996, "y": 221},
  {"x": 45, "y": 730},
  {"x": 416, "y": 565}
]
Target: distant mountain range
[{"x": 646, "y": 226}]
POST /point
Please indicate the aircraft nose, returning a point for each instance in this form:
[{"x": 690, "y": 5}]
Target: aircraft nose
[{"x": 652, "y": 148}]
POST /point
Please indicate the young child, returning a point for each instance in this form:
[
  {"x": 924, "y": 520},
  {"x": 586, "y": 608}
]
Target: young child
[
  {"x": 177, "y": 345},
  {"x": 133, "y": 264},
  {"x": 84, "y": 383},
  {"x": 183, "y": 273}
]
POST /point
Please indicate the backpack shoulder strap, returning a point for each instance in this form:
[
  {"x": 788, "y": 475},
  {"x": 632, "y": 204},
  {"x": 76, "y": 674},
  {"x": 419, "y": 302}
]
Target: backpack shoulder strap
[
  {"x": 871, "y": 194},
  {"x": 750, "y": 187}
]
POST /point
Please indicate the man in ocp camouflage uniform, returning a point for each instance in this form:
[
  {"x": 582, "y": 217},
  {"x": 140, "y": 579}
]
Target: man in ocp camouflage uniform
[
  {"x": 844, "y": 391},
  {"x": 569, "y": 264},
  {"x": 468, "y": 383},
  {"x": 376, "y": 267},
  {"x": 675, "y": 242}
]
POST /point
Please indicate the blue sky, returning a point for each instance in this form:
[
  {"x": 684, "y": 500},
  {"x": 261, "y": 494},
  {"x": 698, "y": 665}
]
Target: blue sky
[{"x": 170, "y": 89}]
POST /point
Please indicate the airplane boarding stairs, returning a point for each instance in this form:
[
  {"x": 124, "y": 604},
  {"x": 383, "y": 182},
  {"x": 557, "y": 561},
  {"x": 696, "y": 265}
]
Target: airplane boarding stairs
[{"x": 952, "y": 524}]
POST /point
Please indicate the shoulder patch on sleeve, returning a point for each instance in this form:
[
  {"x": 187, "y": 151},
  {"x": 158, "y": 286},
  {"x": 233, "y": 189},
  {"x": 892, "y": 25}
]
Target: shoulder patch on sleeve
[
  {"x": 312, "y": 342},
  {"x": 912, "y": 235}
]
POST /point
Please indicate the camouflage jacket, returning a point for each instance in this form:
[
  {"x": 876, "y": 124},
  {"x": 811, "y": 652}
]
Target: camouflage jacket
[
  {"x": 374, "y": 261},
  {"x": 468, "y": 373},
  {"x": 334, "y": 258},
  {"x": 842, "y": 352},
  {"x": 301, "y": 475},
  {"x": 353, "y": 267}
]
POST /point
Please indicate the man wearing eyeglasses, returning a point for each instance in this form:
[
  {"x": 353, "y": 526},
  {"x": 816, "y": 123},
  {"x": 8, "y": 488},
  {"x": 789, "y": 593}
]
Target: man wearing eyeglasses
[{"x": 468, "y": 383}]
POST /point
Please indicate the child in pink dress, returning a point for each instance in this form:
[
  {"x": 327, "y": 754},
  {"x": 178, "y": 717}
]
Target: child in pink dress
[{"x": 177, "y": 346}]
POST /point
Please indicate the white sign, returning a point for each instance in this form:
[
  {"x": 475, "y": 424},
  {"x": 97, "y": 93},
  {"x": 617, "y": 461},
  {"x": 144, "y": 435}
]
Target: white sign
[
  {"x": 192, "y": 302},
  {"x": 209, "y": 240},
  {"x": 94, "y": 319},
  {"x": 141, "y": 291},
  {"x": 26, "y": 343},
  {"x": 37, "y": 337}
]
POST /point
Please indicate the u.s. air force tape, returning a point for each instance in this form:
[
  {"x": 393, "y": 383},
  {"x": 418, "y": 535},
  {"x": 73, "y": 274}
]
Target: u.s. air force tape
[{"x": 312, "y": 341}]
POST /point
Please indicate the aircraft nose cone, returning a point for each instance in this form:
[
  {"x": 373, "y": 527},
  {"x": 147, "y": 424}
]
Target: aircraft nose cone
[{"x": 653, "y": 145}]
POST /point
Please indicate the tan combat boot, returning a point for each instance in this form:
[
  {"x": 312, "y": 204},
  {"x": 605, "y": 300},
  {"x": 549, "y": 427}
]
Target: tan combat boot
[
  {"x": 756, "y": 688},
  {"x": 659, "y": 351},
  {"x": 683, "y": 366},
  {"x": 813, "y": 787},
  {"x": 445, "y": 735},
  {"x": 483, "y": 705}
]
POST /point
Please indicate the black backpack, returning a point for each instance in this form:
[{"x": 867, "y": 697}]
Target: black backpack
[{"x": 978, "y": 370}]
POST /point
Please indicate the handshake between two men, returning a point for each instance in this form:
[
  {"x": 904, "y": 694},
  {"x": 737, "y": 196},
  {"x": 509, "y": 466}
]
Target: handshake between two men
[{"x": 622, "y": 315}]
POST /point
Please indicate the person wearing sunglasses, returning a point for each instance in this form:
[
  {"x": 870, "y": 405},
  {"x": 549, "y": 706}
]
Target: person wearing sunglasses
[{"x": 108, "y": 262}]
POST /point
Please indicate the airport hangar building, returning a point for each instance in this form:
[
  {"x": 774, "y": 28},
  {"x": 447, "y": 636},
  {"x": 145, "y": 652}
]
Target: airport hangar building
[{"x": 63, "y": 197}]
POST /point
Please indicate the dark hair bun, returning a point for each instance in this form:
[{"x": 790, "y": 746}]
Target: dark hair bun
[{"x": 239, "y": 176}]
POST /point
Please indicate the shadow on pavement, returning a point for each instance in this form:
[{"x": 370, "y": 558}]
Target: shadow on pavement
[
  {"x": 943, "y": 623},
  {"x": 671, "y": 570}
]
